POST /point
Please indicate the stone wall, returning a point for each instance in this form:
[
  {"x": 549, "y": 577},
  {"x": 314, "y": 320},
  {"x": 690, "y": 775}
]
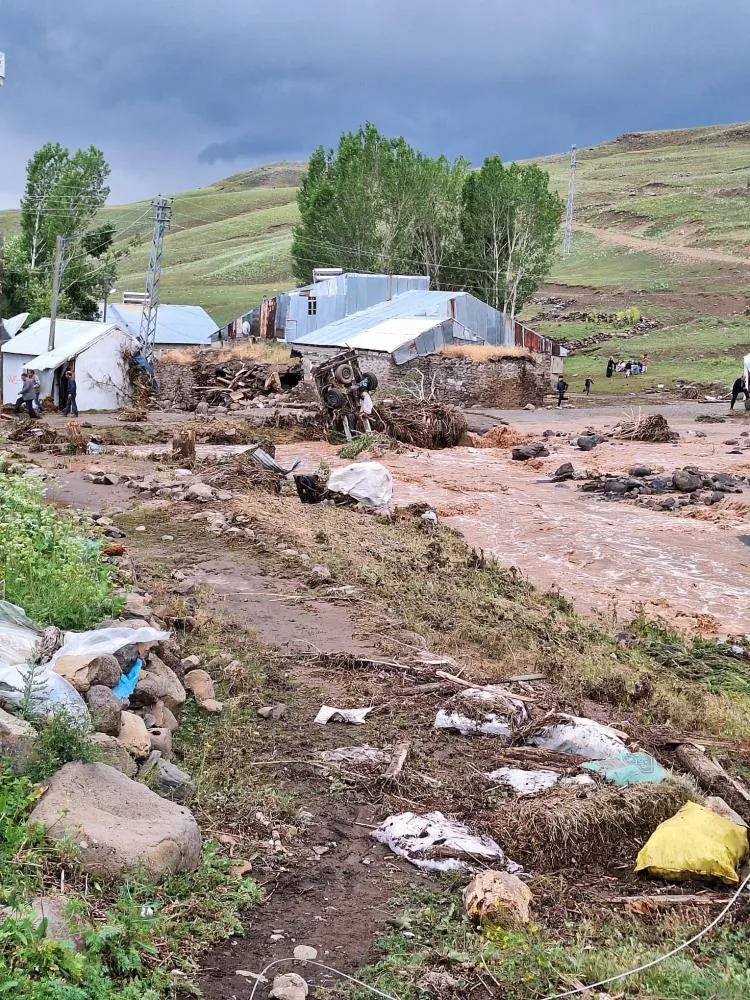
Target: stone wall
[
  {"x": 176, "y": 385},
  {"x": 509, "y": 383}
]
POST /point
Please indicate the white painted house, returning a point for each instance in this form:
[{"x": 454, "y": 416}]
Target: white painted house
[{"x": 94, "y": 350}]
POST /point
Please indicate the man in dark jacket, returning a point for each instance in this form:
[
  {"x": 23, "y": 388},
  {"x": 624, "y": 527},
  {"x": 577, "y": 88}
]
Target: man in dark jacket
[
  {"x": 560, "y": 389},
  {"x": 71, "y": 407},
  {"x": 739, "y": 389},
  {"x": 27, "y": 395}
]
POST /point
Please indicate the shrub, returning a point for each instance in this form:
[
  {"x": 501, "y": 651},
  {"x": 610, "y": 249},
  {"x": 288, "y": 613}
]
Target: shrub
[
  {"x": 46, "y": 565},
  {"x": 60, "y": 740}
]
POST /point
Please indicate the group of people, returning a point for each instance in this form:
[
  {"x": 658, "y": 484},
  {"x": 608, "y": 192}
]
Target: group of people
[
  {"x": 629, "y": 367},
  {"x": 31, "y": 388}
]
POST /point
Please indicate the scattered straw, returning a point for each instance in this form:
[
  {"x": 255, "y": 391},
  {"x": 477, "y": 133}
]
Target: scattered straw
[{"x": 484, "y": 352}]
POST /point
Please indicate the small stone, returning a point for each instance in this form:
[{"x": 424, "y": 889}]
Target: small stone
[
  {"x": 563, "y": 472},
  {"x": 190, "y": 663},
  {"x": 320, "y": 573},
  {"x": 202, "y": 408},
  {"x": 185, "y": 588},
  {"x": 134, "y": 735},
  {"x": 640, "y": 471},
  {"x": 199, "y": 491},
  {"x": 272, "y": 711},
  {"x": 289, "y": 987},
  {"x": 304, "y": 953},
  {"x": 529, "y": 407},
  {"x": 686, "y": 482},
  {"x": 114, "y": 753},
  {"x": 212, "y": 706},
  {"x": 167, "y": 780},
  {"x": 167, "y": 538},
  {"x": 106, "y": 710},
  {"x": 200, "y": 683},
  {"x": 587, "y": 442},
  {"x": 161, "y": 740},
  {"x": 16, "y": 735},
  {"x": 141, "y": 527}
]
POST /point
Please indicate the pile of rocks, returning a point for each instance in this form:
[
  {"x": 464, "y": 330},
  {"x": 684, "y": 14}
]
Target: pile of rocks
[
  {"x": 179, "y": 485},
  {"x": 684, "y": 487}
]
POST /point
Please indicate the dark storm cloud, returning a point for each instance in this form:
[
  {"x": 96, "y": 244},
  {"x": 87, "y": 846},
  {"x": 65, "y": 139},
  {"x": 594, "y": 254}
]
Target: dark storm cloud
[{"x": 178, "y": 93}]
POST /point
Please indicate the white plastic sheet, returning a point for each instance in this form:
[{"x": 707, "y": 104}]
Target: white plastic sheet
[
  {"x": 525, "y": 782},
  {"x": 355, "y": 716},
  {"x": 101, "y": 642},
  {"x": 490, "y": 725},
  {"x": 496, "y": 721},
  {"x": 370, "y": 483},
  {"x": 18, "y": 635},
  {"x": 584, "y": 737},
  {"x": 426, "y": 840}
]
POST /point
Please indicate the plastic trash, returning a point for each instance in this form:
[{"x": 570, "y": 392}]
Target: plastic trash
[
  {"x": 50, "y": 693},
  {"x": 490, "y": 725},
  {"x": 435, "y": 843},
  {"x": 19, "y": 635},
  {"x": 580, "y": 736},
  {"x": 107, "y": 641},
  {"x": 629, "y": 769},
  {"x": 355, "y": 716},
  {"x": 525, "y": 782},
  {"x": 354, "y": 755},
  {"x": 126, "y": 684},
  {"x": 370, "y": 483},
  {"x": 695, "y": 841},
  {"x": 500, "y": 712}
]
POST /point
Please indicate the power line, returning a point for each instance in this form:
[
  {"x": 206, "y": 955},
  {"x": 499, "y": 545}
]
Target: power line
[{"x": 162, "y": 216}]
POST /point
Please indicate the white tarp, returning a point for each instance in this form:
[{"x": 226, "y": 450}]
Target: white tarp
[
  {"x": 368, "y": 482},
  {"x": 580, "y": 736},
  {"x": 429, "y": 840}
]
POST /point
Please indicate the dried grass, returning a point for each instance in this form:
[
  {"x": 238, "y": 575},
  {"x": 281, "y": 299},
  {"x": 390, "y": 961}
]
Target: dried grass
[
  {"x": 179, "y": 356},
  {"x": 567, "y": 827},
  {"x": 654, "y": 428},
  {"x": 422, "y": 424},
  {"x": 268, "y": 351},
  {"x": 484, "y": 352}
]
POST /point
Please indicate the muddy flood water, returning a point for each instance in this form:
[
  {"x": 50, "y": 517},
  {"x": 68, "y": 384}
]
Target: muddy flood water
[{"x": 692, "y": 567}]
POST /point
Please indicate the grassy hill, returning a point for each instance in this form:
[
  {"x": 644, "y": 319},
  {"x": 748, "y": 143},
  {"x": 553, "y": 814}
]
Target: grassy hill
[{"x": 663, "y": 222}]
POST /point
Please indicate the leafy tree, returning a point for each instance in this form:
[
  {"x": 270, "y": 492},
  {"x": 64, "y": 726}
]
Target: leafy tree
[
  {"x": 438, "y": 185},
  {"x": 64, "y": 194},
  {"x": 509, "y": 223}
]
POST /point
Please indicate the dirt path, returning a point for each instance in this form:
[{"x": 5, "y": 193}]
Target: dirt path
[{"x": 616, "y": 237}]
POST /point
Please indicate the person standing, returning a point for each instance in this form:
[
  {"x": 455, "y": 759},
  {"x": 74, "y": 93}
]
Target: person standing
[
  {"x": 37, "y": 390},
  {"x": 610, "y": 367},
  {"x": 71, "y": 390},
  {"x": 739, "y": 389},
  {"x": 560, "y": 389},
  {"x": 587, "y": 383},
  {"x": 27, "y": 396}
]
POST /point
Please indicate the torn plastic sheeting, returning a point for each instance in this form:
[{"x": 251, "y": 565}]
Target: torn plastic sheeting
[
  {"x": 354, "y": 716},
  {"x": 50, "y": 693},
  {"x": 580, "y": 736},
  {"x": 491, "y": 725},
  {"x": 629, "y": 769},
  {"x": 495, "y": 697},
  {"x": 525, "y": 782},
  {"x": 435, "y": 843},
  {"x": 354, "y": 755},
  {"x": 369, "y": 483},
  {"x": 100, "y": 642},
  {"x": 19, "y": 636}
]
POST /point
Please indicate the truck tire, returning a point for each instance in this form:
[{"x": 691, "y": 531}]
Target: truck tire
[
  {"x": 344, "y": 374},
  {"x": 370, "y": 381},
  {"x": 334, "y": 398}
]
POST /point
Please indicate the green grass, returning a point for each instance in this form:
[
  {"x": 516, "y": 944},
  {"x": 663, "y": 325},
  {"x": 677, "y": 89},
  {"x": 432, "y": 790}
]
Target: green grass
[
  {"x": 535, "y": 962},
  {"x": 47, "y": 565}
]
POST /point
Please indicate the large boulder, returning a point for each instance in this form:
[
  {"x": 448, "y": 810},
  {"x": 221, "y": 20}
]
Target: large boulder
[
  {"x": 116, "y": 823},
  {"x": 105, "y": 710},
  {"x": 157, "y": 682},
  {"x": 685, "y": 482}
]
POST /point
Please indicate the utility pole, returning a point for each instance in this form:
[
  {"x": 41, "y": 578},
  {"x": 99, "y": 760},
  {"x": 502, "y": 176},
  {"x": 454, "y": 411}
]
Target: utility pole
[
  {"x": 162, "y": 216},
  {"x": 569, "y": 208},
  {"x": 59, "y": 244}
]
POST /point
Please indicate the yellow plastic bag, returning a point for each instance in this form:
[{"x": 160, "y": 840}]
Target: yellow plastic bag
[{"x": 695, "y": 841}]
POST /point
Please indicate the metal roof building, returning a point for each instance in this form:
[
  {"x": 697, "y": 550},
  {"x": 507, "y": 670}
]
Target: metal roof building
[
  {"x": 414, "y": 323},
  {"x": 312, "y": 307},
  {"x": 176, "y": 326}
]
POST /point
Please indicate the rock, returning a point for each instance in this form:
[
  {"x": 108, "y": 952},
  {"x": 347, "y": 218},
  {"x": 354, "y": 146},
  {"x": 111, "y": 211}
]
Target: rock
[
  {"x": 272, "y": 711},
  {"x": 640, "y": 471},
  {"x": 320, "y": 573},
  {"x": 685, "y": 482},
  {"x": 304, "y": 953},
  {"x": 135, "y": 606},
  {"x": 161, "y": 740},
  {"x": 105, "y": 710},
  {"x": 615, "y": 486},
  {"x": 498, "y": 899},
  {"x": 134, "y": 735},
  {"x": 290, "y": 986},
  {"x": 105, "y": 670},
  {"x": 202, "y": 408},
  {"x": 16, "y": 736},
  {"x": 114, "y": 753},
  {"x": 75, "y": 670},
  {"x": 116, "y": 823},
  {"x": 587, "y": 442},
  {"x": 529, "y": 407},
  {"x": 527, "y": 451},
  {"x": 167, "y": 780},
  {"x": 563, "y": 472},
  {"x": 185, "y": 588},
  {"x": 170, "y": 722},
  {"x": 199, "y": 491},
  {"x": 720, "y": 807},
  {"x": 190, "y": 663},
  {"x": 158, "y": 683},
  {"x": 212, "y": 706},
  {"x": 201, "y": 685},
  {"x": 60, "y": 927}
]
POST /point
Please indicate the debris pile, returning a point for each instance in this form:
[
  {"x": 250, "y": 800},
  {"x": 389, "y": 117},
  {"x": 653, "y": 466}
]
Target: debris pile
[
  {"x": 233, "y": 381},
  {"x": 420, "y": 423},
  {"x": 653, "y": 428},
  {"x": 502, "y": 436}
]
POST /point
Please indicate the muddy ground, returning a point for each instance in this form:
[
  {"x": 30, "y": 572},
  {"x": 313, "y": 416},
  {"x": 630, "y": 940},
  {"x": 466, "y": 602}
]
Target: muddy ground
[{"x": 327, "y": 883}]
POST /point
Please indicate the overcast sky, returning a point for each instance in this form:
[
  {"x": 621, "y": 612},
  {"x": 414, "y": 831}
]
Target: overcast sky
[{"x": 179, "y": 93}]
